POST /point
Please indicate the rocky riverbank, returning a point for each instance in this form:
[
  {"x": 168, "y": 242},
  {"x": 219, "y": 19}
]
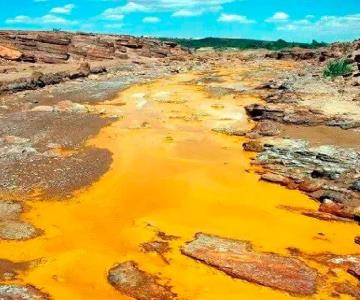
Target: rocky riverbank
[{"x": 128, "y": 152}]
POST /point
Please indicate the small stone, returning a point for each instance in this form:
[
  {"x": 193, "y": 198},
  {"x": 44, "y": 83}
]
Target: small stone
[
  {"x": 253, "y": 146},
  {"x": 310, "y": 186},
  {"x": 229, "y": 131},
  {"x": 357, "y": 240},
  {"x": 276, "y": 178}
]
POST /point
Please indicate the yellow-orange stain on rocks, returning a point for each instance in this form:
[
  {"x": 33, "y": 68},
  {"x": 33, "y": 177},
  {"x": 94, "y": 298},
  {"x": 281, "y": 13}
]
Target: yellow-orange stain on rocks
[{"x": 171, "y": 173}]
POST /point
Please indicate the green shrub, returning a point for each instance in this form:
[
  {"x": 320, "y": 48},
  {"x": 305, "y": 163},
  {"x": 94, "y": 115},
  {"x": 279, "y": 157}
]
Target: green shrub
[{"x": 337, "y": 67}]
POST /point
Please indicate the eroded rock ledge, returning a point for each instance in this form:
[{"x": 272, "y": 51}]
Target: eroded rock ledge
[
  {"x": 60, "y": 47},
  {"x": 327, "y": 173}
]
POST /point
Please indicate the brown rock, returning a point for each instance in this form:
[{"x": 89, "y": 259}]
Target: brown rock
[
  {"x": 167, "y": 237},
  {"x": 346, "y": 262},
  {"x": 19, "y": 292},
  {"x": 267, "y": 128},
  {"x": 121, "y": 55},
  {"x": 276, "y": 178},
  {"x": 229, "y": 131},
  {"x": 324, "y": 216},
  {"x": 128, "y": 279},
  {"x": 346, "y": 288},
  {"x": 357, "y": 240},
  {"x": 253, "y": 146},
  {"x": 9, "y": 269},
  {"x": 10, "y": 54},
  {"x": 356, "y": 56},
  {"x": 355, "y": 270},
  {"x": 159, "y": 247},
  {"x": 238, "y": 259},
  {"x": 84, "y": 68},
  {"x": 337, "y": 209},
  {"x": 310, "y": 186}
]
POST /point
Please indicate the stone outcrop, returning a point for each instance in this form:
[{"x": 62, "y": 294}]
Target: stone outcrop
[
  {"x": 39, "y": 80},
  {"x": 335, "y": 50},
  {"x": 325, "y": 173},
  {"x": 9, "y": 54},
  {"x": 297, "y": 116},
  {"x": 128, "y": 279},
  {"x": 61, "y": 47},
  {"x": 238, "y": 259}
]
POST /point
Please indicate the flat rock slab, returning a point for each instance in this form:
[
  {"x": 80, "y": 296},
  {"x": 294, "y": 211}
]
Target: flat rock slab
[
  {"x": 128, "y": 279},
  {"x": 237, "y": 259}
]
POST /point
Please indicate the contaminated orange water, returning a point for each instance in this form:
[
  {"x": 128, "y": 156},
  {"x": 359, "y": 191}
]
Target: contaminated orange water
[{"x": 171, "y": 173}]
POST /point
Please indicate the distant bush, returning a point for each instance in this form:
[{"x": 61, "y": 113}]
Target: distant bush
[
  {"x": 242, "y": 44},
  {"x": 337, "y": 67}
]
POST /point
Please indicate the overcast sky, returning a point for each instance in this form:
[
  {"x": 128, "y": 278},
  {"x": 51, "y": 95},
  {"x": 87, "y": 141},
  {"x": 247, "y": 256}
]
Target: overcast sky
[{"x": 293, "y": 20}]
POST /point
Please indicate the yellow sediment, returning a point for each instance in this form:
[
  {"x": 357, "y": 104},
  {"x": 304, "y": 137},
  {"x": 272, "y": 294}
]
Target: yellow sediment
[{"x": 171, "y": 173}]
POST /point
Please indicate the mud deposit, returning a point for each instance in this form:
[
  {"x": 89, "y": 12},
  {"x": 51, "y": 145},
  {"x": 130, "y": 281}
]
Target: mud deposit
[{"x": 173, "y": 176}]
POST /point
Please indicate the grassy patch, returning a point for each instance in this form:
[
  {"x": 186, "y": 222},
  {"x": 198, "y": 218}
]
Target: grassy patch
[{"x": 337, "y": 67}]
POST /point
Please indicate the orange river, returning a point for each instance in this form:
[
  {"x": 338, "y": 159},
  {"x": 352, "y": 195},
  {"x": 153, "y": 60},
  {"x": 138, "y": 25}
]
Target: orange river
[{"x": 171, "y": 173}]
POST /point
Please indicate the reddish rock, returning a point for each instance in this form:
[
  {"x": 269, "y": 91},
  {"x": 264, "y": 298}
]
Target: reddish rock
[
  {"x": 158, "y": 247},
  {"x": 338, "y": 209},
  {"x": 276, "y": 178},
  {"x": 10, "y": 54},
  {"x": 349, "y": 263},
  {"x": 346, "y": 288},
  {"x": 128, "y": 279},
  {"x": 355, "y": 270},
  {"x": 238, "y": 259},
  {"x": 357, "y": 240},
  {"x": 310, "y": 186},
  {"x": 324, "y": 216}
]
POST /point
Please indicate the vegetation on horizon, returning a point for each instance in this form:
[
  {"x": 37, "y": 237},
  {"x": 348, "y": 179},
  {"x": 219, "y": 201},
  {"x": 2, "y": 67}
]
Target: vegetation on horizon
[
  {"x": 242, "y": 44},
  {"x": 337, "y": 67}
]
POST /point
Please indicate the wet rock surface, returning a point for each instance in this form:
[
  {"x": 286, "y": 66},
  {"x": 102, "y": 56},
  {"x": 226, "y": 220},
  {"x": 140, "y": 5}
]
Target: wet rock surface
[
  {"x": 9, "y": 269},
  {"x": 346, "y": 288},
  {"x": 11, "y": 225},
  {"x": 18, "y": 292},
  {"x": 131, "y": 281},
  {"x": 239, "y": 260},
  {"x": 40, "y": 149}
]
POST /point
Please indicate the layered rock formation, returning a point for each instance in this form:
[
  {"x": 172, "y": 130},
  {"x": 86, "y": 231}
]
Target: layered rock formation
[{"x": 62, "y": 47}]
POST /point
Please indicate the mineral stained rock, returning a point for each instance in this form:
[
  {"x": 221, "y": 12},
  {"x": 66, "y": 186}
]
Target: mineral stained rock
[
  {"x": 238, "y": 259},
  {"x": 18, "y": 292},
  {"x": 128, "y": 279}
]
